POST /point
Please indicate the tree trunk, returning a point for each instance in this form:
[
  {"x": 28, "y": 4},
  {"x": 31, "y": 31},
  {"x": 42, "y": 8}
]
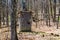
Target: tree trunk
[
  {"x": 51, "y": 8},
  {"x": 0, "y": 17},
  {"x": 54, "y": 19},
  {"x": 7, "y": 15},
  {"x": 58, "y": 19},
  {"x": 3, "y": 16},
  {"x": 13, "y": 21}
]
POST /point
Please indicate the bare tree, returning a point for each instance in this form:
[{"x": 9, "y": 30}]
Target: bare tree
[
  {"x": 54, "y": 19},
  {"x": 51, "y": 8},
  {"x": 3, "y": 14},
  {"x": 58, "y": 19},
  {"x": 0, "y": 11},
  {"x": 7, "y": 13},
  {"x": 13, "y": 21}
]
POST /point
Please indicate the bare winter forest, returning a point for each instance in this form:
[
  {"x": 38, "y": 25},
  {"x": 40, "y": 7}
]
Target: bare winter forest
[{"x": 29, "y": 19}]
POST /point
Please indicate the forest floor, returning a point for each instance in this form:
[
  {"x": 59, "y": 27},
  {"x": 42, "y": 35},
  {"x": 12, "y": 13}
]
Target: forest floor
[
  {"x": 41, "y": 32},
  {"x": 47, "y": 33}
]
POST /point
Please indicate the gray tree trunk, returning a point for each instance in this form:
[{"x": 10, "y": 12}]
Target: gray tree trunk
[
  {"x": 58, "y": 19},
  {"x": 13, "y": 21},
  {"x": 3, "y": 16},
  {"x": 54, "y": 19},
  {"x": 0, "y": 11},
  {"x": 7, "y": 22}
]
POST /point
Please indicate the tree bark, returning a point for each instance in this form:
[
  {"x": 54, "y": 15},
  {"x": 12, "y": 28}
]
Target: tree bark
[
  {"x": 54, "y": 19},
  {"x": 13, "y": 21},
  {"x": 58, "y": 19},
  {"x": 0, "y": 17},
  {"x": 3, "y": 16},
  {"x": 7, "y": 21}
]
